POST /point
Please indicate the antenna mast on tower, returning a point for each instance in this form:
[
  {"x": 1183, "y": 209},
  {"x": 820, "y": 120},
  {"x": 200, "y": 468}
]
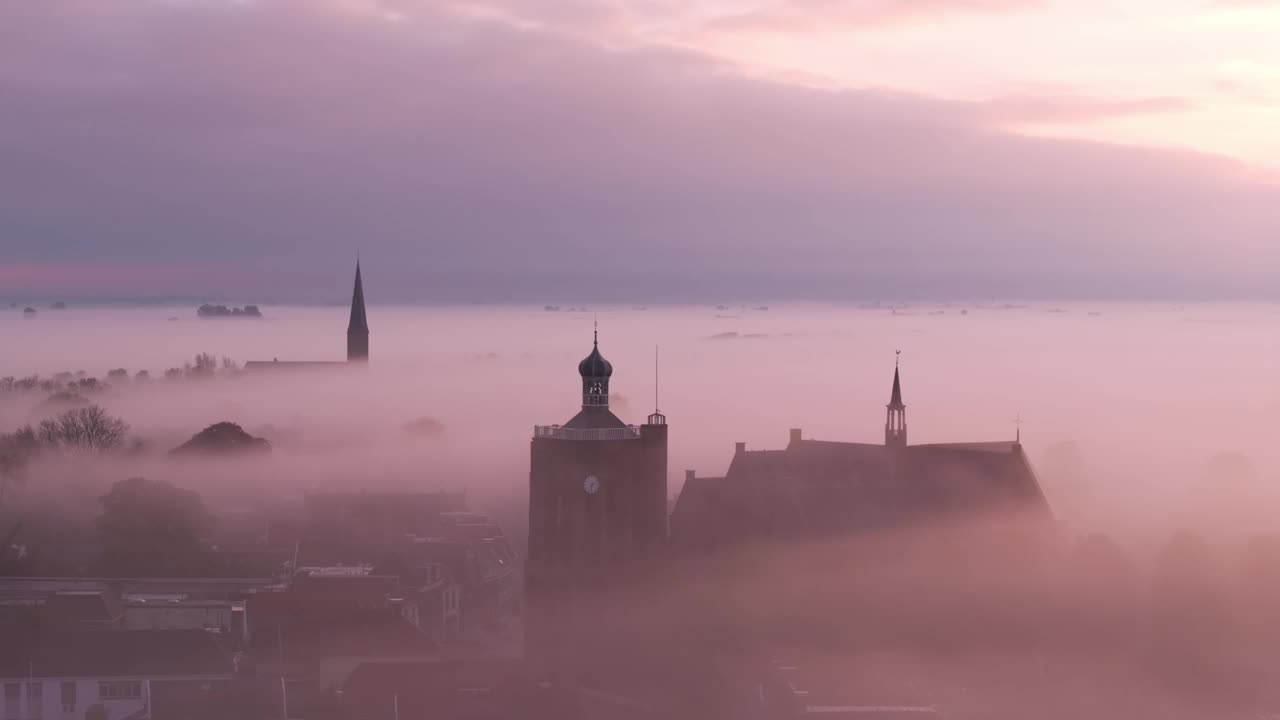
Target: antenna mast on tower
[{"x": 657, "y": 418}]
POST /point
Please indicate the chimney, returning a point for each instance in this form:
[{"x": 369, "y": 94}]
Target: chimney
[
  {"x": 689, "y": 475},
  {"x": 739, "y": 448},
  {"x": 796, "y": 435}
]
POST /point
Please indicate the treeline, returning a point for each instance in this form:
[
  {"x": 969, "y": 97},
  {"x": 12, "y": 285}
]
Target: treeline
[
  {"x": 87, "y": 429},
  {"x": 203, "y": 366}
]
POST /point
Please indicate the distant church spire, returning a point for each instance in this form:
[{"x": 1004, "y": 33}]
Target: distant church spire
[
  {"x": 895, "y": 426},
  {"x": 358, "y": 327}
]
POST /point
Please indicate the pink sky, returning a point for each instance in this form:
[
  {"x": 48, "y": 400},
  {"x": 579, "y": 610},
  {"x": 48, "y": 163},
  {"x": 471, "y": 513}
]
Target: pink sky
[
  {"x": 569, "y": 150},
  {"x": 1198, "y": 74}
]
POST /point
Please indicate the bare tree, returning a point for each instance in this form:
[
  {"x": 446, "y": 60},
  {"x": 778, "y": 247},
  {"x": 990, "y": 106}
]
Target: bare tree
[{"x": 84, "y": 428}]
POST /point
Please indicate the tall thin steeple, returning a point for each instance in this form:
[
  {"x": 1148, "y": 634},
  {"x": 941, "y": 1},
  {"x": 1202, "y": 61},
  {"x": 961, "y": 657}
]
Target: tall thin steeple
[
  {"x": 895, "y": 425},
  {"x": 358, "y": 327}
]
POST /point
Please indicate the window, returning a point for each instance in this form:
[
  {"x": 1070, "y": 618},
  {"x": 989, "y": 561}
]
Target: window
[
  {"x": 68, "y": 697},
  {"x": 119, "y": 690},
  {"x": 12, "y": 701},
  {"x": 35, "y": 701}
]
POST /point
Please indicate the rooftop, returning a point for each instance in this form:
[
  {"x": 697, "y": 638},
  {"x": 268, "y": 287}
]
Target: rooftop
[{"x": 112, "y": 653}]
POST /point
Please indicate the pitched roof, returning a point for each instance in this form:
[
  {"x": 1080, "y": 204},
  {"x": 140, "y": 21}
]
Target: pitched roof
[
  {"x": 358, "y": 633},
  {"x": 359, "y": 324},
  {"x": 473, "y": 689},
  {"x": 591, "y": 418},
  {"x": 69, "y": 608},
  {"x": 112, "y": 653},
  {"x": 259, "y": 365},
  {"x": 833, "y": 487}
]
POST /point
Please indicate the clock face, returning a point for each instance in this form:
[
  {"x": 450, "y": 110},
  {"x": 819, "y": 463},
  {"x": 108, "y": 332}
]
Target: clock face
[{"x": 591, "y": 484}]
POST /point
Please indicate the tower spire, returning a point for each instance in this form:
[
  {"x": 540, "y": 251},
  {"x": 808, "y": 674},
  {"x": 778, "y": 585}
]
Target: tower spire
[
  {"x": 895, "y": 425},
  {"x": 358, "y": 326}
]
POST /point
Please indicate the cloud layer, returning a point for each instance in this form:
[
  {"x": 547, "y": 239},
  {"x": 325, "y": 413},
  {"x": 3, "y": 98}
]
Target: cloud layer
[{"x": 474, "y": 158}]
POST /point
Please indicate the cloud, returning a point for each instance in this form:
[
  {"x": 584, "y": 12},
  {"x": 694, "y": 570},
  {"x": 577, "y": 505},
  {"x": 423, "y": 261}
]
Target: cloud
[
  {"x": 810, "y": 15},
  {"x": 1252, "y": 93},
  {"x": 474, "y": 159},
  {"x": 1058, "y": 109}
]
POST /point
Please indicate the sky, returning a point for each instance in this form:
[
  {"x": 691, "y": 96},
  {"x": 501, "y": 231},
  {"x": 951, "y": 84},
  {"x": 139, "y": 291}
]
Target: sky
[{"x": 642, "y": 151}]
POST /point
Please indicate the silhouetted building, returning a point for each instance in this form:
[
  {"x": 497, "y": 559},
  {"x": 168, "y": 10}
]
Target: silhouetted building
[
  {"x": 597, "y": 506},
  {"x": 52, "y": 674},
  {"x": 357, "y": 340},
  {"x": 450, "y": 690},
  {"x": 820, "y": 488}
]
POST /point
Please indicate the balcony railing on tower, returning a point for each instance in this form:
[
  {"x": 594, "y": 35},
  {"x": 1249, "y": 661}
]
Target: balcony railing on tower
[{"x": 558, "y": 432}]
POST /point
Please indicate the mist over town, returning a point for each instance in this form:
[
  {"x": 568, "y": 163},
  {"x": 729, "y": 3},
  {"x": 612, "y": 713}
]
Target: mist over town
[{"x": 490, "y": 359}]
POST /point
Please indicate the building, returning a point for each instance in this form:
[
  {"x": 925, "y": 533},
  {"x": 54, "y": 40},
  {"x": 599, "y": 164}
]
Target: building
[
  {"x": 456, "y": 567},
  {"x": 357, "y": 340},
  {"x": 820, "y": 488},
  {"x": 57, "y": 675},
  {"x": 132, "y": 604},
  {"x": 597, "y": 505},
  {"x": 471, "y": 690}
]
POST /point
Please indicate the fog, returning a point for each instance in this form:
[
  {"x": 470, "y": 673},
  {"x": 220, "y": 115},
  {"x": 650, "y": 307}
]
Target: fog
[
  {"x": 1142, "y": 421},
  {"x": 1148, "y": 394}
]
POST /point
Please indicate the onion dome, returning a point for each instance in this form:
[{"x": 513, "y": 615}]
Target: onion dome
[{"x": 594, "y": 365}]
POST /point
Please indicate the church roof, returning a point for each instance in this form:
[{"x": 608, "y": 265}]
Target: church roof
[
  {"x": 263, "y": 365},
  {"x": 359, "y": 324},
  {"x": 816, "y": 487}
]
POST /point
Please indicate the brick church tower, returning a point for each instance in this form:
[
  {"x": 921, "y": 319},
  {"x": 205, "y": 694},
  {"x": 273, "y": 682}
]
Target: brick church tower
[{"x": 597, "y": 510}]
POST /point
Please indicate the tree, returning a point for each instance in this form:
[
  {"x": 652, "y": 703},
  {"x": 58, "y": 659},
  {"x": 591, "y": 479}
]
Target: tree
[
  {"x": 205, "y": 366},
  {"x": 16, "y": 450},
  {"x": 150, "y": 527},
  {"x": 224, "y": 438},
  {"x": 83, "y": 428}
]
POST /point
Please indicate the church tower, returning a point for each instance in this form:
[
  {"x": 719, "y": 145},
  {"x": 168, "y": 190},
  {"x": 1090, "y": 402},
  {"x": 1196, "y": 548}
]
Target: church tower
[
  {"x": 895, "y": 424},
  {"x": 597, "y": 514},
  {"x": 358, "y": 327}
]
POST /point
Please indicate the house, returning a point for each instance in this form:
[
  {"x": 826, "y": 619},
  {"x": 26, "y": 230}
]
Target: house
[
  {"x": 328, "y": 621},
  {"x": 472, "y": 690},
  {"x": 433, "y": 602},
  {"x": 180, "y": 611},
  {"x": 61, "y": 675}
]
